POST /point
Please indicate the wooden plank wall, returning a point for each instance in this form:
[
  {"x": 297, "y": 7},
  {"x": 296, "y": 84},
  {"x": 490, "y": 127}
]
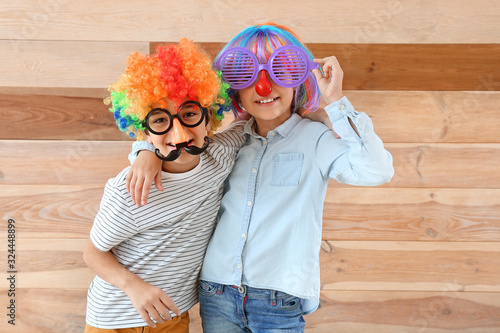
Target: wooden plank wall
[{"x": 420, "y": 254}]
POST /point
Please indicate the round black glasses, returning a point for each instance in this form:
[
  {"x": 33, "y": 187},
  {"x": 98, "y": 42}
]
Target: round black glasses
[{"x": 190, "y": 114}]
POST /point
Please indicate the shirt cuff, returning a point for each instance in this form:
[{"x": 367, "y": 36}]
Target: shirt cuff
[
  {"x": 138, "y": 146},
  {"x": 340, "y": 109},
  {"x": 339, "y": 112}
]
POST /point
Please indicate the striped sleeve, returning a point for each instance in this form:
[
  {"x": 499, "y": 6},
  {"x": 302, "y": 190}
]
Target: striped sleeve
[
  {"x": 233, "y": 136},
  {"x": 113, "y": 223}
]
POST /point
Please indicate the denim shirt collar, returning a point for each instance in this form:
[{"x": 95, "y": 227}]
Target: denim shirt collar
[{"x": 283, "y": 129}]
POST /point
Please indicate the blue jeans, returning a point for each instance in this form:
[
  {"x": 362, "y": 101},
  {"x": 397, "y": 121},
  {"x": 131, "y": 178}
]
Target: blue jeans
[{"x": 229, "y": 309}]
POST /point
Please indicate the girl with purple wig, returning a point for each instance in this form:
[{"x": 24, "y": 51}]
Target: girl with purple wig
[{"x": 261, "y": 268}]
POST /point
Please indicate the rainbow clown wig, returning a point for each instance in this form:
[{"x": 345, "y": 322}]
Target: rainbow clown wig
[
  {"x": 177, "y": 72},
  {"x": 263, "y": 40}
]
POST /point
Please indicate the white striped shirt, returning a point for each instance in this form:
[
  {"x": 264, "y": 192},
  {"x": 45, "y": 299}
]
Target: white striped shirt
[{"x": 163, "y": 242}]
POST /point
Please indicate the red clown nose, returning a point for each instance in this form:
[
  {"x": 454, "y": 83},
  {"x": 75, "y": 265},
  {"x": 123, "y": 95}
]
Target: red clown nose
[{"x": 263, "y": 87}]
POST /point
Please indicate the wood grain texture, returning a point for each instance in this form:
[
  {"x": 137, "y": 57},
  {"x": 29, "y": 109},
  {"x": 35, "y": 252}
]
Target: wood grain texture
[
  {"x": 411, "y": 266},
  {"x": 49, "y": 263},
  {"x": 61, "y": 162},
  {"x": 357, "y": 214},
  {"x": 366, "y": 66},
  {"x": 94, "y": 162},
  {"x": 345, "y": 265},
  {"x": 55, "y": 91},
  {"x": 54, "y": 310},
  {"x": 425, "y": 67},
  {"x": 409, "y": 312},
  {"x": 50, "y": 211},
  {"x": 64, "y": 63},
  {"x": 398, "y": 116},
  {"x": 445, "y": 281},
  {"x": 431, "y": 116},
  {"x": 416, "y": 67},
  {"x": 361, "y": 21},
  {"x": 63, "y": 311},
  {"x": 409, "y": 214},
  {"x": 35, "y": 117},
  {"x": 445, "y": 165},
  {"x": 420, "y": 254}
]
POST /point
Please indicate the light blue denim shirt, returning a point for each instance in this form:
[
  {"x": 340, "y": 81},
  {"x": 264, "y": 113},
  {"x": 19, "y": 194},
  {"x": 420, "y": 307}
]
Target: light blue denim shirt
[{"x": 269, "y": 230}]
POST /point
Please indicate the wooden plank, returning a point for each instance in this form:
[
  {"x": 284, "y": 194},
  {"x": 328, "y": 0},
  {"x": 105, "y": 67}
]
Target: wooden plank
[
  {"x": 409, "y": 312},
  {"x": 371, "y": 214},
  {"x": 54, "y": 91},
  {"x": 415, "y": 116},
  {"x": 64, "y": 63},
  {"x": 416, "y": 67},
  {"x": 49, "y": 262},
  {"x": 63, "y": 311},
  {"x": 427, "y": 266},
  {"x": 94, "y": 162},
  {"x": 55, "y": 310},
  {"x": 426, "y": 67},
  {"x": 62, "y": 162},
  {"x": 50, "y": 211},
  {"x": 57, "y": 117},
  {"x": 60, "y": 113},
  {"x": 411, "y": 266},
  {"x": 445, "y": 165},
  {"x": 409, "y": 214},
  {"x": 361, "y": 21},
  {"x": 437, "y": 116}
]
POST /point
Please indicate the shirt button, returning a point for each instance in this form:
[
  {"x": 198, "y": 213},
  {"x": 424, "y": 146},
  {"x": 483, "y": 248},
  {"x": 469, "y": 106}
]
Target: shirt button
[
  {"x": 254, "y": 170},
  {"x": 342, "y": 107},
  {"x": 273, "y": 133},
  {"x": 264, "y": 142},
  {"x": 239, "y": 266},
  {"x": 249, "y": 203},
  {"x": 243, "y": 236}
]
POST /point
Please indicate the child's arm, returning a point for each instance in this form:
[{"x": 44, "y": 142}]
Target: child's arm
[
  {"x": 149, "y": 301},
  {"x": 359, "y": 158},
  {"x": 145, "y": 168}
]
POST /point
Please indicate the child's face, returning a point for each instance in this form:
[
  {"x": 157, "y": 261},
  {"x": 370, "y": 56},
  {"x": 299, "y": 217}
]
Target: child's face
[
  {"x": 269, "y": 111},
  {"x": 176, "y": 135}
]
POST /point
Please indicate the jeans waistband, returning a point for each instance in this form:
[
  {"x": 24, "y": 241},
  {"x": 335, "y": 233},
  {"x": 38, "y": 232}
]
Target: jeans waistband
[{"x": 253, "y": 292}]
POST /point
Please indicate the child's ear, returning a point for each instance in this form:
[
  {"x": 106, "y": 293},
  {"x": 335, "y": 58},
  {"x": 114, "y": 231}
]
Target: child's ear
[{"x": 209, "y": 122}]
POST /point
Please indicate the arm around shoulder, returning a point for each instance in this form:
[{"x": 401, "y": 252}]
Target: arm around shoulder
[{"x": 233, "y": 136}]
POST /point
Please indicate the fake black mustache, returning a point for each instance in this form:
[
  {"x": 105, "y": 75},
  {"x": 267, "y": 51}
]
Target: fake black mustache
[{"x": 174, "y": 154}]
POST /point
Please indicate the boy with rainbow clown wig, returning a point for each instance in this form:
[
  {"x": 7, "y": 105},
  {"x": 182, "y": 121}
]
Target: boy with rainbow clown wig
[
  {"x": 261, "y": 271},
  {"x": 147, "y": 259}
]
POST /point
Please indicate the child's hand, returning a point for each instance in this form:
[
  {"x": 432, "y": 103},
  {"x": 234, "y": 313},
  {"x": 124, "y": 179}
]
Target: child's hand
[
  {"x": 319, "y": 115},
  {"x": 151, "y": 302},
  {"x": 330, "y": 85},
  {"x": 145, "y": 169}
]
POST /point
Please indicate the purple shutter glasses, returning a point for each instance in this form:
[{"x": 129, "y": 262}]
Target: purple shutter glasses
[{"x": 288, "y": 66}]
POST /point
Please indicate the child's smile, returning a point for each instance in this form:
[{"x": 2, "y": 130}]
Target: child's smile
[{"x": 269, "y": 111}]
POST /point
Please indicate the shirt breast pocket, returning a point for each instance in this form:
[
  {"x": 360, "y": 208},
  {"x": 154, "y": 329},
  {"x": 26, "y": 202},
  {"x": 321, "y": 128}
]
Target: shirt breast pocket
[{"x": 287, "y": 169}]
